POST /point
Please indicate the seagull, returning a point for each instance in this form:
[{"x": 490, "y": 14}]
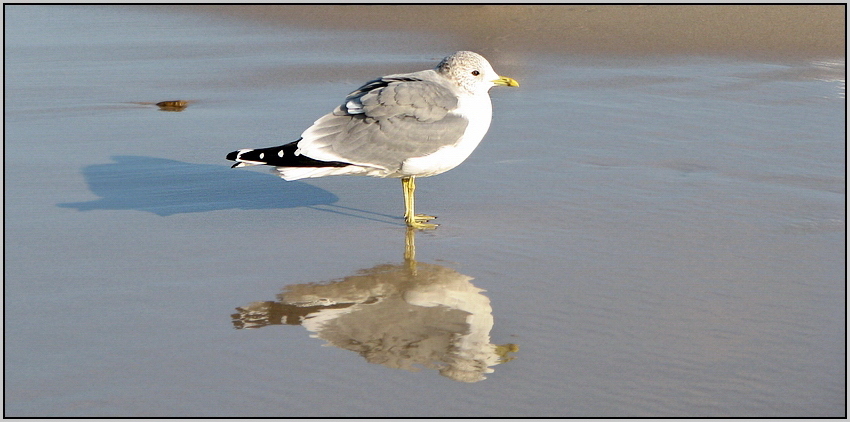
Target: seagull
[{"x": 404, "y": 125}]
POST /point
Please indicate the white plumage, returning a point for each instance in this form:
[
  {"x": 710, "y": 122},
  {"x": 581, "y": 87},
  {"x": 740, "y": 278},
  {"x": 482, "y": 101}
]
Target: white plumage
[{"x": 404, "y": 125}]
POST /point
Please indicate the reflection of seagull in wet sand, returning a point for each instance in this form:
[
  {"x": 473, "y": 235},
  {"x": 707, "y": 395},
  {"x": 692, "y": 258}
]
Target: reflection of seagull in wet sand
[
  {"x": 404, "y": 125},
  {"x": 400, "y": 316}
]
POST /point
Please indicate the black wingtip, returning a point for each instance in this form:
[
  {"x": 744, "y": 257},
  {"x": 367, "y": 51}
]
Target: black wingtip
[{"x": 280, "y": 156}]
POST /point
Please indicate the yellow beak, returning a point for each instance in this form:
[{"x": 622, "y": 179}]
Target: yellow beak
[{"x": 505, "y": 81}]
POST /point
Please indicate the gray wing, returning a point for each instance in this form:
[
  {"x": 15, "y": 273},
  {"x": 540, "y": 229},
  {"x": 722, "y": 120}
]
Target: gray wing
[{"x": 387, "y": 121}]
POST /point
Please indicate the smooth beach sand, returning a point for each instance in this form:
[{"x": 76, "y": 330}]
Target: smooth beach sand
[
  {"x": 752, "y": 31},
  {"x": 676, "y": 223}
]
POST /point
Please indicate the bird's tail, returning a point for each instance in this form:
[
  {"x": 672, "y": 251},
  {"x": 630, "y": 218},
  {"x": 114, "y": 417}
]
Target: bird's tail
[{"x": 280, "y": 156}]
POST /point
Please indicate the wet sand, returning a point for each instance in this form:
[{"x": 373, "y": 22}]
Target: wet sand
[
  {"x": 636, "y": 235},
  {"x": 752, "y": 31}
]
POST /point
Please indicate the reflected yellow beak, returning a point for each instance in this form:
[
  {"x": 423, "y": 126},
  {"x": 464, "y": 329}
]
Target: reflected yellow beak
[{"x": 506, "y": 81}]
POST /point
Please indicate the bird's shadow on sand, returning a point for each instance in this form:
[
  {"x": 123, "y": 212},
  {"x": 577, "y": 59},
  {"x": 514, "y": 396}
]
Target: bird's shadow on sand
[{"x": 166, "y": 187}]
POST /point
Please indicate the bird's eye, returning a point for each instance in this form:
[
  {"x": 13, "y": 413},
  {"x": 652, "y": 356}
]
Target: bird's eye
[{"x": 475, "y": 73}]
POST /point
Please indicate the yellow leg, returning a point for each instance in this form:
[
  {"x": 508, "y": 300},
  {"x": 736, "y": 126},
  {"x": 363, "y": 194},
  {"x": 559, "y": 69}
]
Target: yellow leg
[
  {"x": 416, "y": 221},
  {"x": 410, "y": 249}
]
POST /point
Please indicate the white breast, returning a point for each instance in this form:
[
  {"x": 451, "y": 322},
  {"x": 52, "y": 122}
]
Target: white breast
[{"x": 479, "y": 112}]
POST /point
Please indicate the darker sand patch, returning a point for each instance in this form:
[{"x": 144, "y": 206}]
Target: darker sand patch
[{"x": 754, "y": 31}]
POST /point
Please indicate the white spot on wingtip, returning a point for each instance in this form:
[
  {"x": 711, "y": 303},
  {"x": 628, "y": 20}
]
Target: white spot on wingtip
[
  {"x": 280, "y": 154},
  {"x": 262, "y": 154}
]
